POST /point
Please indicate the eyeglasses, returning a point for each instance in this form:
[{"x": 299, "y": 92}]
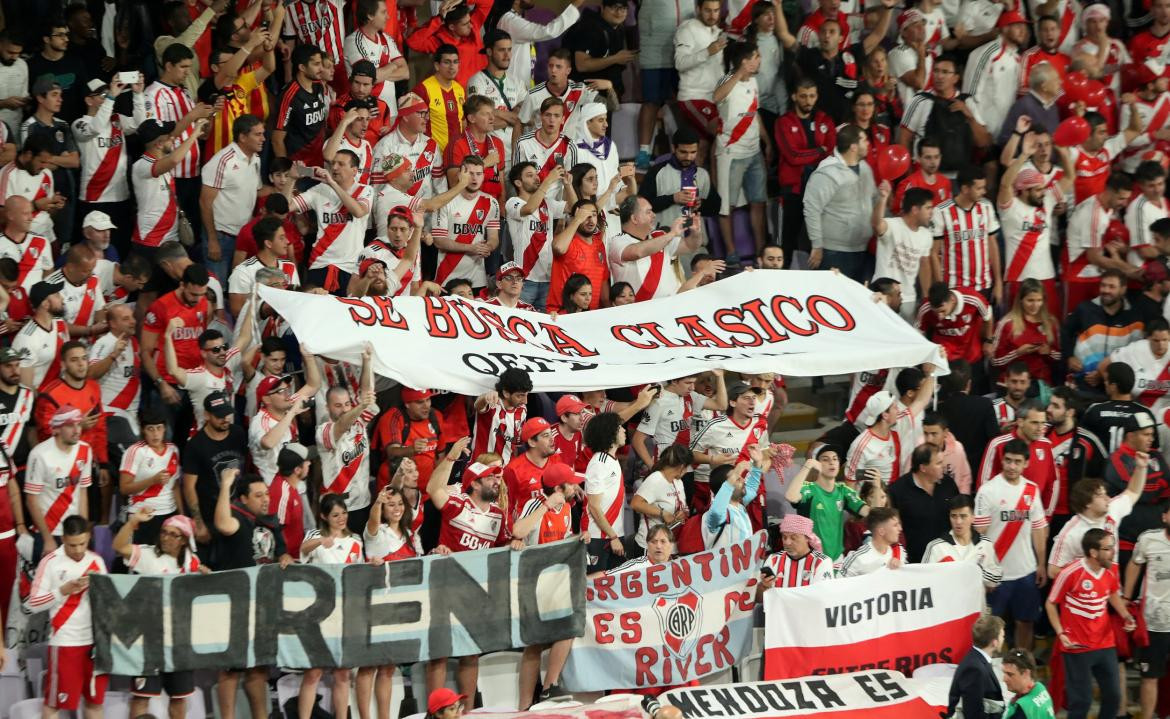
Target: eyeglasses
[
  {"x": 512, "y": 277},
  {"x": 218, "y": 349},
  {"x": 170, "y": 533}
]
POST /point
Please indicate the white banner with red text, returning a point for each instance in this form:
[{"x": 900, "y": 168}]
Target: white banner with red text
[
  {"x": 662, "y": 625},
  {"x": 790, "y": 322},
  {"x": 873, "y": 694},
  {"x": 898, "y": 619}
]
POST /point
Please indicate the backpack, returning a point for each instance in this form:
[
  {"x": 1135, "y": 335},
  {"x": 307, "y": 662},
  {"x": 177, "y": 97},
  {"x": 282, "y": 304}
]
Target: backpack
[
  {"x": 689, "y": 537},
  {"x": 950, "y": 129}
]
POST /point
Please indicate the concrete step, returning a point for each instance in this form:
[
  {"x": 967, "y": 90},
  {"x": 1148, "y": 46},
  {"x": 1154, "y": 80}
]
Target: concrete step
[{"x": 797, "y": 416}]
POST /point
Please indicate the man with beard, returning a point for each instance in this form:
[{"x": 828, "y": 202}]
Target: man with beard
[
  {"x": 1089, "y": 252},
  {"x": 74, "y": 388},
  {"x": 220, "y": 363},
  {"x": 1136, "y": 453},
  {"x": 530, "y": 214},
  {"x": 1077, "y": 452},
  {"x": 804, "y": 136},
  {"x": 522, "y": 476},
  {"x": 467, "y": 229},
  {"x": 1096, "y": 327},
  {"x": 642, "y": 255},
  {"x": 1016, "y": 382},
  {"x": 13, "y": 80},
  {"x": 38, "y": 342},
  {"x": 679, "y": 187},
  {"x": 220, "y": 443},
  {"x": 15, "y": 408},
  {"x": 31, "y": 251},
  {"x": 115, "y": 364},
  {"x": 392, "y": 268},
  {"x": 189, "y": 303},
  {"x": 399, "y": 192},
  {"x": 496, "y": 83},
  {"x": 801, "y": 563},
  {"x": 579, "y": 248}
]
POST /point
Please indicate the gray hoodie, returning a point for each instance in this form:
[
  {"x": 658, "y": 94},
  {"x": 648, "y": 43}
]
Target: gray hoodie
[{"x": 838, "y": 204}]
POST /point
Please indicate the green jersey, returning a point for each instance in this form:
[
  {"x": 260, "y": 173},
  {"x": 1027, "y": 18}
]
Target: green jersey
[
  {"x": 1036, "y": 704},
  {"x": 827, "y": 512}
]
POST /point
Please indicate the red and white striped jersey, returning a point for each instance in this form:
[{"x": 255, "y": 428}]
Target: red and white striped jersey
[
  {"x": 15, "y": 411},
  {"x": 14, "y": 180},
  {"x": 120, "y": 385},
  {"x": 466, "y": 527},
  {"x": 171, "y": 103},
  {"x": 69, "y": 614},
  {"x": 812, "y": 568},
  {"x": 82, "y": 302},
  {"x": 345, "y": 462},
  {"x": 101, "y": 140},
  {"x": 1086, "y": 230},
  {"x": 465, "y": 220},
  {"x": 380, "y": 50},
  {"x": 40, "y": 349},
  {"x": 966, "y": 235},
  {"x": 340, "y": 236},
  {"x": 318, "y": 23},
  {"x": 33, "y": 256},
  {"x": 739, "y": 131},
  {"x": 158, "y": 209},
  {"x": 1140, "y": 214},
  {"x": 723, "y": 435},
  {"x": 142, "y": 461},
  {"x": 341, "y": 550},
  {"x": 365, "y": 156},
  {"x": 872, "y": 451},
  {"x": 652, "y": 276},
  {"x": 1066, "y": 548},
  {"x": 1026, "y": 230},
  {"x": 532, "y": 236},
  {"x": 1083, "y": 595},
  {"x": 603, "y": 477},
  {"x": 423, "y": 154},
  {"x": 57, "y": 479},
  {"x": 497, "y": 430},
  {"x": 1006, "y": 514}
]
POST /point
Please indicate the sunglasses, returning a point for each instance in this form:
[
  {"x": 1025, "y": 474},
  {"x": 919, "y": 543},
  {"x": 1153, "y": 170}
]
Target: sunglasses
[{"x": 218, "y": 349}]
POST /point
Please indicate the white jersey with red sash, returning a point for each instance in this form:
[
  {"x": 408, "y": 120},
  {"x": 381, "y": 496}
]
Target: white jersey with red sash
[
  {"x": 791, "y": 572},
  {"x": 650, "y": 277},
  {"x": 531, "y": 234},
  {"x": 1152, "y": 374},
  {"x": 82, "y": 302},
  {"x": 345, "y": 461},
  {"x": 1003, "y": 511},
  {"x": 14, "y": 180},
  {"x": 342, "y": 550},
  {"x": 423, "y": 154},
  {"x": 40, "y": 349},
  {"x": 739, "y": 16},
  {"x": 466, "y": 221},
  {"x": 142, "y": 461},
  {"x": 32, "y": 255},
  {"x": 121, "y": 383},
  {"x": 1141, "y": 213},
  {"x": 865, "y": 385},
  {"x": 1086, "y": 230},
  {"x": 102, "y": 144},
  {"x": 724, "y": 436},
  {"x": 340, "y": 236},
  {"x": 56, "y": 480},
  {"x": 575, "y": 95},
  {"x": 670, "y": 418},
  {"x": 497, "y": 430},
  {"x": 1026, "y": 230},
  {"x": 529, "y": 148},
  {"x": 69, "y": 614},
  {"x": 603, "y": 478},
  {"x": 365, "y": 155},
  {"x": 739, "y": 132},
  {"x": 390, "y": 546},
  {"x": 1154, "y": 114}
]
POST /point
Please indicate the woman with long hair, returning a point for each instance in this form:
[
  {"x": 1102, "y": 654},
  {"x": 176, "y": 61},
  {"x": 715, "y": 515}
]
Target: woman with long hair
[
  {"x": 864, "y": 106},
  {"x": 1028, "y": 333},
  {"x": 875, "y": 73},
  {"x": 662, "y": 499},
  {"x": 330, "y": 543},
  {"x": 577, "y": 295},
  {"x": 621, "y": 293},
  {"x": 585, "y": 186},
  {"x": 389, "y": 536}
]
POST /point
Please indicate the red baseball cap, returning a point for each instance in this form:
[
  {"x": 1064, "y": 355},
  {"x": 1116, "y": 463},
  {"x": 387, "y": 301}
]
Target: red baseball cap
[
  {"x": 442, "y": 698},
  {"x": 533, "y": 427},
  {"x": 367, "y": 263},
  {"x": 1011, "y": 17},
  {"x": 270, "y": 384},
  {"x": 415, "y": 395},
  {"x": 569, "y": 404},
  {"x": 479, "y": 470},
  {"x": 558, "y": 473}
]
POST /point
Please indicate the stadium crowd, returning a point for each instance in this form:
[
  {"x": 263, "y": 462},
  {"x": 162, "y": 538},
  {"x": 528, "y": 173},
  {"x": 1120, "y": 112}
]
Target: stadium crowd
[{"x": 162, "y": 160}]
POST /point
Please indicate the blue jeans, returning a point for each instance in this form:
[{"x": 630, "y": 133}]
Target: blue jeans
[
  {"x": 851, "y": 264},
  {"x": 1079, "y": 671},
  {"x": 535, "y": 294},
  {"x": 222, "y": 267}
]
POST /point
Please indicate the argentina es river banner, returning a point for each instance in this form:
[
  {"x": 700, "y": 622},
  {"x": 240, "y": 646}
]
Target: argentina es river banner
[
  {"x": 666, "y": 624},
  {"x": 790, "y": 322},
  {"x": 898, "y": 619},
  {"x": 874, "y": 694},
  {"x": 339, "y": 615}
]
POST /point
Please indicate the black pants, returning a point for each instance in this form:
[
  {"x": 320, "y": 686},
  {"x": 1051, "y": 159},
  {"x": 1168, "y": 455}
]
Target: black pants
[
  {"x": 187, "y": 191},
  {"x": 1079, "y": 671},
  {"x": 792, "y": 233}
]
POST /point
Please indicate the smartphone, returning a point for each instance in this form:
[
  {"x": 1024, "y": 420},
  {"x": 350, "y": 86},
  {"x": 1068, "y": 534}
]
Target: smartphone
[
  {"x": 767, "y": 572},
  {"x": 128, "y": 78},
  {"x": 304, "y": 171}
]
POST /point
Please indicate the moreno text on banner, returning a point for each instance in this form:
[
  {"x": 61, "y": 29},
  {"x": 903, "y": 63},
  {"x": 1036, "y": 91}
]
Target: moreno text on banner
[
  {"x": 795, "y": 323},
  {"x": 897, "y": 619},
  {"x": 354, "y": 615}
]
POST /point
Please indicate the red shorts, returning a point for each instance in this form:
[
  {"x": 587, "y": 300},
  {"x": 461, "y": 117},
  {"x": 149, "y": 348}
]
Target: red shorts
[
  {"x": 69, "y": 677},
  {"x": 701, "y": 115}
]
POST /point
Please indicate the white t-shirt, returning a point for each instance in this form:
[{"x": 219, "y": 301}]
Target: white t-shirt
[
  {"x": 658, "y": 491},
  {"x": 237, "y": 177},
  {"x": 243, "y": 277},
  {"x": 1152, "y": 374},
  {"x": 344, "y": 550},
  {"x": 739, "y": 131},
  {"x": 868, "y": 559},
  {"x": 1066, "y": 549},
  {"x": 201, "y": 382},
  {"x": 899, "y": 252}
]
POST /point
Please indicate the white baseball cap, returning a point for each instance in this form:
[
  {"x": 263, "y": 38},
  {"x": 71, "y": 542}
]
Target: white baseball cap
[{"x": 98, "y": 220}]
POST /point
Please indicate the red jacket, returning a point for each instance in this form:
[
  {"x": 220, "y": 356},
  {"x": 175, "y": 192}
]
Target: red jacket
[
  {"x": 429, "y": 37},
  {"x": 797, "y": 157}
]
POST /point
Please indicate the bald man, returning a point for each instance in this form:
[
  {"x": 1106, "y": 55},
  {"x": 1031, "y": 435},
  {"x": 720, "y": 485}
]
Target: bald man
[
  {"x": 85, "y": 307},
  {"x": 114, "y": 363},
  {"x": 32, "y": 253}
]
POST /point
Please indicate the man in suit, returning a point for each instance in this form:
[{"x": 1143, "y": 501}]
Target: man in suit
[
  {"x": 975, "y": 690},
  {"x": 970, "y": 416}
]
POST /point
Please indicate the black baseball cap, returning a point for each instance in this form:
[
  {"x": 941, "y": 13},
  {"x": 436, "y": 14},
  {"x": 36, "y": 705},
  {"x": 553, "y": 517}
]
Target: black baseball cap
[
  {"x": 219, "y": 404},
  {"x": 152, "y": 129},
  {"x": 41, "y": 291},
  {"x": 363, "y": 67}
]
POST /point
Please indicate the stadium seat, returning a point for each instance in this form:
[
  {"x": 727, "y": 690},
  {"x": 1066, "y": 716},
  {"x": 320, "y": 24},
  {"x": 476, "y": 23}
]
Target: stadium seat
[
  {"x": 197, "y": 705},
  {"x": 723, "y": 677},
  {"x": 27, "y": 709},
  {"x": 499, "y": 679},
  {"x": 13, "y": 689},
  {"x": 749, "y": 668}
]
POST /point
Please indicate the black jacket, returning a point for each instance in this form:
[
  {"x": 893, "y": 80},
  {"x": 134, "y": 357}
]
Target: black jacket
[
  {"x": 975, "y": 682},
  {"x": 972, "y": 421}
]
